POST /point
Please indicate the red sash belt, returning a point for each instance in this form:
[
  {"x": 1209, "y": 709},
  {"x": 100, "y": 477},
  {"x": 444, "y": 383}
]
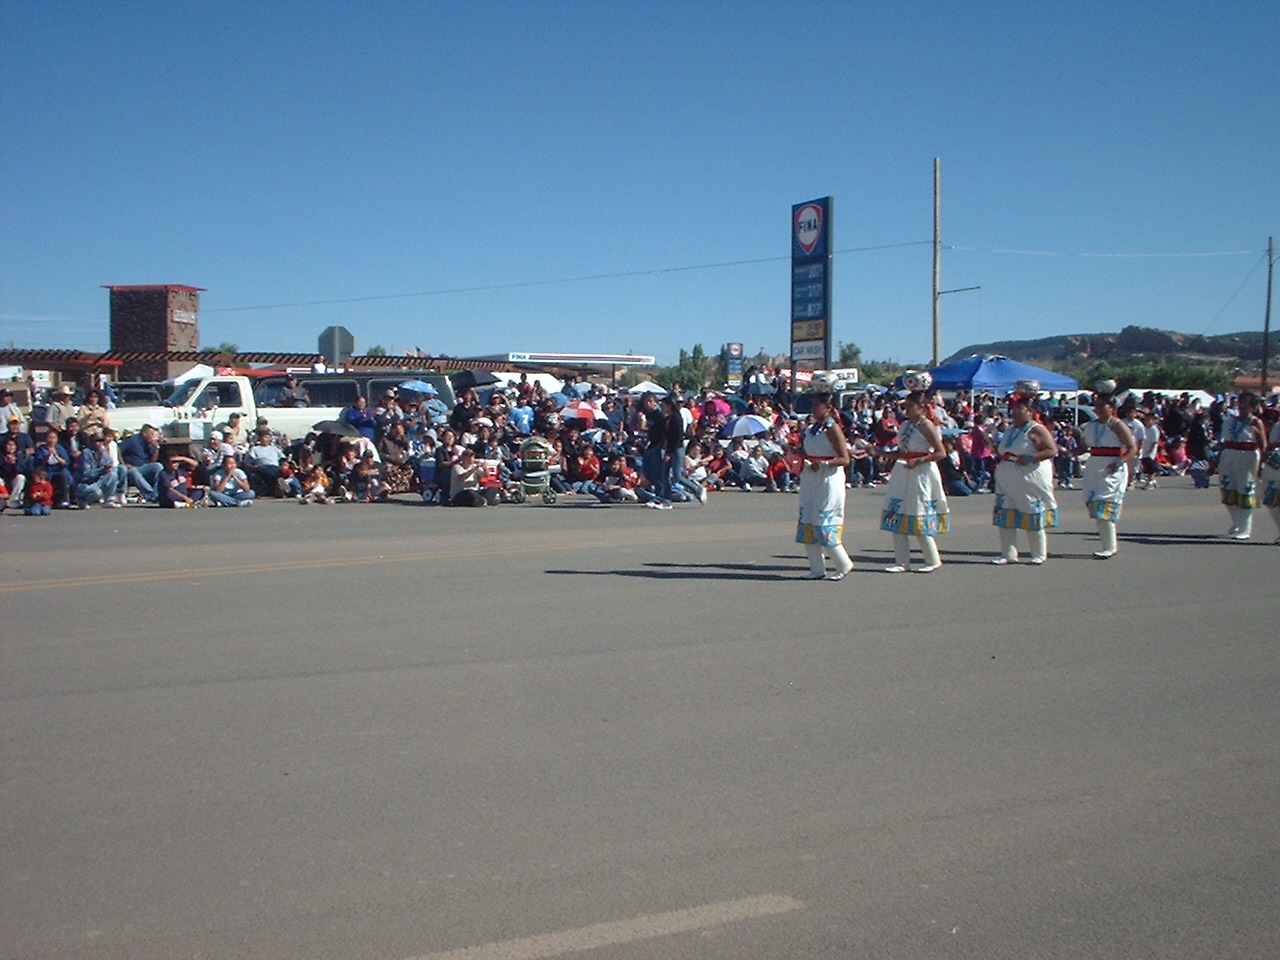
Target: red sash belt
[
  {"x": 1105, "y": 452},
  {"x": 910, "y": 455},
  {"x": 1240, "y": 446}
]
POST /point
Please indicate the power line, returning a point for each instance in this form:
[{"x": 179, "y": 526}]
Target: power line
[
  {"x": 1249, "y": 276},
  {"x": 486, "y": 288},
  {"x": 1131, "y": 256}
]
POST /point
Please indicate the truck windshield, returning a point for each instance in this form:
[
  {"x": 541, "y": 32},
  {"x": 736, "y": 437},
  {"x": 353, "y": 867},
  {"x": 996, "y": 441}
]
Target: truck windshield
[{"x": 182, "y": 393}]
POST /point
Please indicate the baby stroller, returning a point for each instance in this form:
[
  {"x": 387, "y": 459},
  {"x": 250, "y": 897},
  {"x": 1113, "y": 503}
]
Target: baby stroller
[{"x": 535, "y": 469}]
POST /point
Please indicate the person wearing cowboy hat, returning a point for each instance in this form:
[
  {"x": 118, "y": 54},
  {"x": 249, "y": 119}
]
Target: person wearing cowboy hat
[{"x": 61, "y": 407}]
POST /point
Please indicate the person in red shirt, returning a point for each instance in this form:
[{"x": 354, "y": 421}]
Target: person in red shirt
[
  {"x": 39, "y": 494},
  {"x": 584, "y": 469}
]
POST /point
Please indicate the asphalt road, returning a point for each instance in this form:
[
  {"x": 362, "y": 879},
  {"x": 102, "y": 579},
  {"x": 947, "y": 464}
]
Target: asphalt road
[{"x": 394, "y": 732}]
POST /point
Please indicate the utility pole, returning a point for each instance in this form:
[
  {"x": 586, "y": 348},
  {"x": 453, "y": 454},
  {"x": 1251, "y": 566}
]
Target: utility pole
[
  {"x": 1266, "y": 324},
  {"x": 937, "y": 261}
]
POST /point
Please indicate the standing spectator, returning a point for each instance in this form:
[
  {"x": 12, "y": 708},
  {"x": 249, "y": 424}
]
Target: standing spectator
[
  {"x": 980, "y": 450},
  {"x": 61, "y": 407},
  {"x": 360, "y": 418},
  {"x": 93, "y": 415},
  {"x": 10, "y": 411}
]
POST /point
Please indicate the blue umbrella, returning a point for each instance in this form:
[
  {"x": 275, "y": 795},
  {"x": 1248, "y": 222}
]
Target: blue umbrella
[
  {"x": 419, "y": 386},
  {"x": 747, "y": 425},
  {"x": 559, "y": 399}
]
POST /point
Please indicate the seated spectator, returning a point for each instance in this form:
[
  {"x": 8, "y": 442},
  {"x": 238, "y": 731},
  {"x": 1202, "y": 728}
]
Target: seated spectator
[
  {"x": 140, "y": 455},
  {"x": 13, "y": 474},
  {"x": 39, "y": 494},
  {"x": 261, "y": 463},
  {"x": 394, "y": 449},
  {"x": 754, "y": 471},
  {"x": 315, "y": 486},
  {"x": 617, "y": 482},
  {"x": 367, "y": 478},
  {"x": 779, "y": 473},
  {"x": 52, "y": 457},
  {"x": 95, "y": 476},
  {"x": 23, "y": 443},
  {"x": 229, "y": 486},
  {"x": 234, "y": 434},
  {"x": 341, "y": 473},
  {"x": 464, "y": 487},
  {"x": 174, "y": 488},
  {"x": 292, "y": 395},
  {"x": 109, "y": 437},
  {"x": 215, "y": 450}
]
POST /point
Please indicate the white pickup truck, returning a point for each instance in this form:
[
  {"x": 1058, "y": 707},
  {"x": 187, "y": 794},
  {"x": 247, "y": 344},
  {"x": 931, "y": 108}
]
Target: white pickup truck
[{"x": 197, "y": 406}]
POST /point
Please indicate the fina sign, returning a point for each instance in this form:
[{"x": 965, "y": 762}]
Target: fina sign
[
  {"x": 808, "y": 227},
  {"x": 811, "y": 283}
]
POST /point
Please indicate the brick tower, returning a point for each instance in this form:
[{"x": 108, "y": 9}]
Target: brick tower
[{"x": 154, "y": 318}]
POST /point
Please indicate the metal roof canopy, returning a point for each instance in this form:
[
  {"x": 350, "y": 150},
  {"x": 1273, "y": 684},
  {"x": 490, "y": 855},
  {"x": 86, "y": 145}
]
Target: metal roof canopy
[{"x": 153, "y": 286}]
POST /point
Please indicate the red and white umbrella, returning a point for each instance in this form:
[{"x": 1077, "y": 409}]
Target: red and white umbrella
[{"x": 582, "y": 410}]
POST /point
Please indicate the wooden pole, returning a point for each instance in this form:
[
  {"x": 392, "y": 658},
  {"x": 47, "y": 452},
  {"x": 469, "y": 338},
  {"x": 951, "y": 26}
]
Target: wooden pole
[
  {"x": 1266, "y": 323},
  {"x": 937, "y": 261}
]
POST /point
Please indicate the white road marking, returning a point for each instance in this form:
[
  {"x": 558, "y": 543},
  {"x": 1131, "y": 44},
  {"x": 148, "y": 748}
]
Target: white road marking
[{"x": 623, "y": 931}]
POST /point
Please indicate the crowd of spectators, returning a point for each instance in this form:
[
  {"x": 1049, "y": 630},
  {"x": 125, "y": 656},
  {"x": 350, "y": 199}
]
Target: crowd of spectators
[{"x": 615, "y": 446}]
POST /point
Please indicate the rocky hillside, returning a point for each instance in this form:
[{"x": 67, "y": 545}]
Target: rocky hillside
[{"x": 1243, "y": 350}]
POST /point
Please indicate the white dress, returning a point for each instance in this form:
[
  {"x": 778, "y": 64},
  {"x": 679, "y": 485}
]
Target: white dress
[
  {"x": 1237, "y": 466},
  {"x": 915, "y": 503},
  {"x": 821, "y": 492},
  {"x": 1024, "y": 494},
  {"x": 1271, "y": 470},
  {"x": 1103, "y": 490}
]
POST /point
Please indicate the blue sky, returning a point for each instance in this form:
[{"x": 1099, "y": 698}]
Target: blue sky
[{"x": 451, "y": 171}]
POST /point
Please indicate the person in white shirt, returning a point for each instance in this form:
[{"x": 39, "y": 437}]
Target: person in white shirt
[{"x": 1149, "y": 444}]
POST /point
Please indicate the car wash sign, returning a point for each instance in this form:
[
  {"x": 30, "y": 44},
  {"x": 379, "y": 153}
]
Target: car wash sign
[{"x": 811, "y": 284}]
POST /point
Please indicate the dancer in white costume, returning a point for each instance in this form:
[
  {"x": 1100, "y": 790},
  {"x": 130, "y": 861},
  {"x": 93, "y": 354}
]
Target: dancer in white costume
[
  {"x": 915, "y": 503},
  {"x": 1024, "y": 480},
  {"x": 1271, "y": 476},
  {"x": 1111, "y": 448},
  {"x": 1243, "y": 440},
  {"x": 824, "y": 457}
]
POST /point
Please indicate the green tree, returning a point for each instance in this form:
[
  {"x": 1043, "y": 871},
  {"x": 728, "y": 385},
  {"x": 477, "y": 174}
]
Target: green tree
[
  {"x": 221, "y": 348},
  {"x": 377, "y": 350},
  {"x": 849, "y": 355}
]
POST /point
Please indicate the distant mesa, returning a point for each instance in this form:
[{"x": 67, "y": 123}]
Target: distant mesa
[{"x": 1228, "y": 349}]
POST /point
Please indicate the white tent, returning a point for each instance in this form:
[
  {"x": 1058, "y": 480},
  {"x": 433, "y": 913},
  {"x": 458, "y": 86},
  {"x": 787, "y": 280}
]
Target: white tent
[{"x": 195, "y": 373}]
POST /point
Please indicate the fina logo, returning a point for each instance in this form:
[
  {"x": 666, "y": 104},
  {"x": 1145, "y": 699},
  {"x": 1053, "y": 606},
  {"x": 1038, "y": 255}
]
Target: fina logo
[{"x": 808, "y": 226}]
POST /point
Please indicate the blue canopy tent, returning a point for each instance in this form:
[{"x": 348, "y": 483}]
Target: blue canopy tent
[{"x": 996, "y": 374}]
